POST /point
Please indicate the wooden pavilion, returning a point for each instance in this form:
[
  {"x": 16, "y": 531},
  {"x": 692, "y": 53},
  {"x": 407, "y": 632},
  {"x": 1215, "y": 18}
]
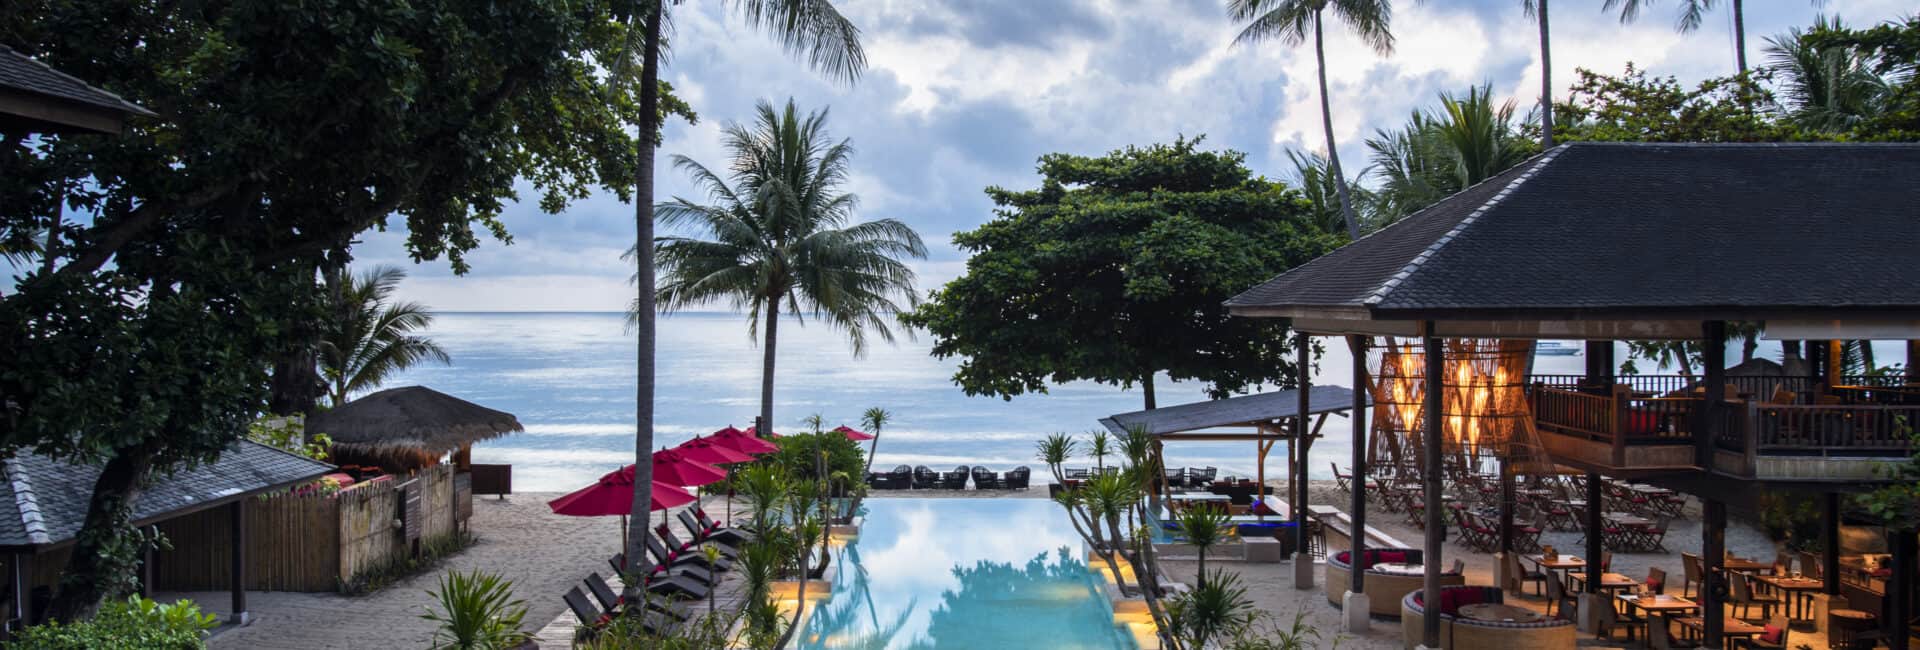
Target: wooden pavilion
[{"x": 1609, "y": 241}]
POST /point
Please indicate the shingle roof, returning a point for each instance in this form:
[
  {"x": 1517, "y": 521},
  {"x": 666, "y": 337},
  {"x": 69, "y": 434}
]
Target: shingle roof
[
  {"x": 43, "y": 501},
  {"x": 19, "y": 72},
  {"x": 1242, "y": 410},
  {"x": 1617, "y": 228}
]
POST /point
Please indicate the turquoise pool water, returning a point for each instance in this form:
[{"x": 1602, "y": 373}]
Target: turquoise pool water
[{"x": 964, "y": 574}]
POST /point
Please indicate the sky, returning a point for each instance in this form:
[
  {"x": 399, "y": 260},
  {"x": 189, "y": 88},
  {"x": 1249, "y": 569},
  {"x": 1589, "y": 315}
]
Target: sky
[{"x": 965, "y": 94}]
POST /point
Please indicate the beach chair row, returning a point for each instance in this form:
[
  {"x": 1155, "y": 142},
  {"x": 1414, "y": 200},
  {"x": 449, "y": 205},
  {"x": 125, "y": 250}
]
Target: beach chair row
[{"x": 922, "y": 478}]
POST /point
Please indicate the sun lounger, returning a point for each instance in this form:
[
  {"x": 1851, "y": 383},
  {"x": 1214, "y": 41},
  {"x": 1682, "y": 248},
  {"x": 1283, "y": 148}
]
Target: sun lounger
[
  {"x": 694, "y": 564},
  {"x": 985, "y": 479},
  {"x": 712, "y": 525},
  {"x": 591, "y": 616},
  {"x": 1017, "y": 478},
  {"x": 673, "y": 542},
  {"x": 924, "y": 478},
  {"x": 609, "y": 600},
  {"x": 956, "y": 479},
  {"x": 702, "y": 532},
  {"x": 660, "y": 580},
  {"x": 900, "y": 478}
]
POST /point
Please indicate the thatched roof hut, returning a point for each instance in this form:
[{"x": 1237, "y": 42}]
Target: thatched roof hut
[{"x": 408, "y": 428}]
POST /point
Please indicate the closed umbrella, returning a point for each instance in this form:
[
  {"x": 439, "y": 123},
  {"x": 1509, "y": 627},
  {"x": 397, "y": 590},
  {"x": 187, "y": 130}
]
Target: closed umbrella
[{"x": 613, "y": 495}]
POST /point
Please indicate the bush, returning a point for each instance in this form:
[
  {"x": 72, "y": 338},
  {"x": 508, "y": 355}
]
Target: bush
[
  {"x": 797, "y": 456},
  {"x": 133, "y": 624},
  {"x": 477, "y": 611}
]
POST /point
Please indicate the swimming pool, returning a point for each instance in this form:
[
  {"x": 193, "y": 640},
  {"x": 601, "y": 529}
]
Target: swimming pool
[{"x": 964, "y": 574}]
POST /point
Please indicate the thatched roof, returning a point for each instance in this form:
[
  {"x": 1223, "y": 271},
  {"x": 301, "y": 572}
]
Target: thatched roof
[{"x": 414, "y": 421}]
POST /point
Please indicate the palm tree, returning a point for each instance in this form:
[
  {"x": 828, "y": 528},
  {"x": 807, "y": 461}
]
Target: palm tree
[
  {"x": 1099, "y": 448},
  {"x": 874, "y": 419},
  {"x": 372, "y": 336},
  {"x": 1537, "y": 10},
  {"x": 1829, "y": 89},
  {"x": 778, "y": 234},
  {"x": 1292, "y": 21},
  {"x": 1315, "y": 179},
  {"x": 1204, "y": 526},
  {"x": 1437, "y": 154},
  {"x": 811, "y": 29}
]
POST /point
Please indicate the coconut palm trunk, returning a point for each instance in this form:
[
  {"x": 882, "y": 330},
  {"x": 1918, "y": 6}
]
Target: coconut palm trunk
[
  {"x": 647, "y": 139},
  {"x": 766, "y": 366},
  {"x": 1326, "y": 123},
  {"x": 1546, "y": 77},
  {"x": 1740, "y": 35}
]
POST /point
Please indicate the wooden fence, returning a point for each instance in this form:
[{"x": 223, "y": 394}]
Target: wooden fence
[{"x": 311, "y": 542}]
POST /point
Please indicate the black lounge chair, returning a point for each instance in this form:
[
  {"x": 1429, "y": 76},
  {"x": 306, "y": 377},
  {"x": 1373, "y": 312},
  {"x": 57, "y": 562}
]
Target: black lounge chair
[
  {"x": 693, "y": 564},
  {"x": 900, "y": 478},
  {"x": 1176, "y": 476},
  {"x": 702, "y": 532},
  {"x": 712, "y": 525},
  {"x": 1202, "y": 476},
  {"x": 924, "y": 478},
  {"x": 659, "y": 580},
  {"x": 609, "y": 600},
  {"x": 985, "y": 479},
  {"x": 1078, "y": 474},
  {"x": 1017, "y": 478},
  {"x": 956, "y": 479},
  {"x": 591, "y": 617},
  {"x": 727, "y": 553}
]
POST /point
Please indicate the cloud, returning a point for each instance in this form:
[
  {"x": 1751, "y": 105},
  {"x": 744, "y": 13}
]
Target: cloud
[{"x": 962, "y": 94}]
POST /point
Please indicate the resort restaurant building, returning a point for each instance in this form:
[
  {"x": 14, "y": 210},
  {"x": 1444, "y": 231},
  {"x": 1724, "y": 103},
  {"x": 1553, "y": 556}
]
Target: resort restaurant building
[{"x": 1812, "y": 244}]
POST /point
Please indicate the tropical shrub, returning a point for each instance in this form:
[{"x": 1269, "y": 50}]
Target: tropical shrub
[
  {"x": 1218, "y": 609},
  {"x": 796, "y": 455},
  {"x": 132, "y": 624},
  {"x": 476, "y": 611}
]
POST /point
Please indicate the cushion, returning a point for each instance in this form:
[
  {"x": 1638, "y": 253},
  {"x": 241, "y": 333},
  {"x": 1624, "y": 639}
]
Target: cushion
[
  {"x": 1771, "y": 634},
  {"x": 1260, "y": 508},
  {"x": 1642, "y": 422},
  {"x": 1389, "y": 557}
]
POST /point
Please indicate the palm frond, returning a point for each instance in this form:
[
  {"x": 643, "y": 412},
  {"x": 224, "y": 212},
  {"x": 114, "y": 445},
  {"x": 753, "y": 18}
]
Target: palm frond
[
  {"x": 813, "y": 30},
  {"x": 1290, "y": 21}
]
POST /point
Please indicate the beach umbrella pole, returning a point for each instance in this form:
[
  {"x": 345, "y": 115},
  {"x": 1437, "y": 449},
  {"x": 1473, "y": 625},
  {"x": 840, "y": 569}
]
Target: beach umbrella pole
[{"x": 625, "y": 546}]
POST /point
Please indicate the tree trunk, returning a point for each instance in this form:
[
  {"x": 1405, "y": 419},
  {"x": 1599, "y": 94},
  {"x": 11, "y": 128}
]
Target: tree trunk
[
  {"x": 1326, "y": 122},
  {"x": 766, "y": 367},
  {"x": 644, "y": 325},
  {"x": 1789, "y": 349},
  {"x": 295, "y": 387},
  {"x": 1740, "y": 35},
  {"x": 1146, "y": 389},
  {"x": 98, "y": 552},
  {"x": 1749, "y": 343},
  {"x": 1546, "y": 81}
]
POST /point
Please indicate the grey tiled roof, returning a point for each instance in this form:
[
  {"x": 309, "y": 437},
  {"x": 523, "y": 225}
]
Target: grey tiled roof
[
  {"x": 44, "y": 501},
  {"x": 1259, "y": 407},
  {"x": 1614, "y": 227},
  {"x": 19, "y": 72}
]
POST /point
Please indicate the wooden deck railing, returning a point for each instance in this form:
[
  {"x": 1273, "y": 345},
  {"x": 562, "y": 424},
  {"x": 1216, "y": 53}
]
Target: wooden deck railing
[
  {"x": 1762, "y": 387},
  {"x": 1834, "y": 430}
]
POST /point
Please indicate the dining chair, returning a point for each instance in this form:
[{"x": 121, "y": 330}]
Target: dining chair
[{"x": 1690, "y": 574}]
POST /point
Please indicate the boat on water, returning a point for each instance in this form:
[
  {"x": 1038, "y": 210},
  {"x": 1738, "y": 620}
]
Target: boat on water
[{"x": 1556, "y": 349}]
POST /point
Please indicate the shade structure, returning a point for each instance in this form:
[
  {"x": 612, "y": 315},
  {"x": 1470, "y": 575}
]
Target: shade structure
[
  {"x": 712, "y": 452},
  {"x": 853, "y": 434},
  {"x": 743, "y": 441},
  {"x": 675, "y": 468},
  {"x": 407, "y": 427}
]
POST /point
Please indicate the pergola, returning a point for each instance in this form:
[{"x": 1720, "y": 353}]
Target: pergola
[
  {"x": 1264, "y": 419},
  {"x": 1607, "y": 241}
]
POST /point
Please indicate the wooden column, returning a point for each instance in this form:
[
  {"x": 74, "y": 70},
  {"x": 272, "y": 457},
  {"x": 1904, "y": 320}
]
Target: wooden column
[
  {"x": 1706, "y": 428},
  {"x": 238, "y": 520},
  {"x": 1713, "y": 552},
  {"x": 1816, "y": 361},
  {"x": 1506, "y": 505},
  {"x": 1596, "y": 542},
  {"x": 1436, "y": 372},
  {"x": 1303, "y": 365},
  {"x": 22, "y": 589},
  {"x": 1600, "y": 366},
  {"x": 1900, "y": 590},
  {"x": 1830, "y": 540},
  {"x": 1835, "y": 372},
  {"x": 1358, "y": 345},
  {"x": 1913, "y": 362}
]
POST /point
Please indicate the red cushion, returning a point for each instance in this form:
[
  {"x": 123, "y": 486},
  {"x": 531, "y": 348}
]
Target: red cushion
[
  {"x": 1654, "y": 585},
  {"x": 1390, "y": 557},
  {"x": 1643, "y": 422},
  {"x": 1260, "y": 508},
  {"x": 1771, "y": 634}
]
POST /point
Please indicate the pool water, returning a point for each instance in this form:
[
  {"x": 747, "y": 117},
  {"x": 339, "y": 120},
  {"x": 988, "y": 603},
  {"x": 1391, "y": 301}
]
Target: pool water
[{"x": 964, "y": 574}]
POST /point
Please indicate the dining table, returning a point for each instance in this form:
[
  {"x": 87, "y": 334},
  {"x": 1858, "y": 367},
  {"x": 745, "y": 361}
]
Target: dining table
[
  {"x": 1657, "y": 603},
  {"x": 1797, "y": 591},
  {"x": 1743, "y": 565},
  {"x": 1730, "y": 627},
  {"x": 1561, "y": 562},
  {"x": 1499, "y": 613},
  {"x": 1608, "y": 581}
]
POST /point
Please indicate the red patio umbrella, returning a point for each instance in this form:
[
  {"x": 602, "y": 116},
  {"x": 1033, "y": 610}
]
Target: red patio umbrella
[
  {"x": 770, "y": 435},
  {"x": 675, "y": 467},
  {"x": 742, "y": 441},
  {"x": 613, "y": 495},
  {"x": 853, "y": 434},
  {"x": 712, "y": 452}
]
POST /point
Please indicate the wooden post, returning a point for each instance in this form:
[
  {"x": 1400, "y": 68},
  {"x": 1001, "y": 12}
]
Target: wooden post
[
  {"x": 1706, "y": 429},
  {"x": 1358, "y": 345},
  {"x": 1506, "y": 504},
  {"x": 22, "y": 591},
  {"x": 1303, "y": 365},
  {"x": 1713, "y": 552},
  {"x": 1596, "y": 541},
  {"x": 238, "y": 509},
  {"x": 1621, "y": 403},
  {"x": 1913, "y": 362},
  {"x": 1436, "y": 372},
  {"x": 1600, "y": 366},
  {"x": 1836, "y": 372},
  {"x": 1830, "y": 540},
  {"x": 1900, "y": 590}
]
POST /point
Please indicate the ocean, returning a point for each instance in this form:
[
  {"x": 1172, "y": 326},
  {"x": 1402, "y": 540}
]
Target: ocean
[{"x": 569, "y": 378}]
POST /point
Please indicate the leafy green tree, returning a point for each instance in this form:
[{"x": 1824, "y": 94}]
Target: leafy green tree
[
  {"x": 811, "y": 29},
  {"x": 1292, "y": 21},
  {"x": 1824, "y": 87},
  {"x": 1116, "y": 269},
  {"x": 781, "y": 233},
  {"x": 371, "y": 335},
  {"x": 142, "y": 341},
  {"x": 1633, "y": 107},
  {"x": 1894, "y": 49},
  {"x": 1436, "y": 154}
]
